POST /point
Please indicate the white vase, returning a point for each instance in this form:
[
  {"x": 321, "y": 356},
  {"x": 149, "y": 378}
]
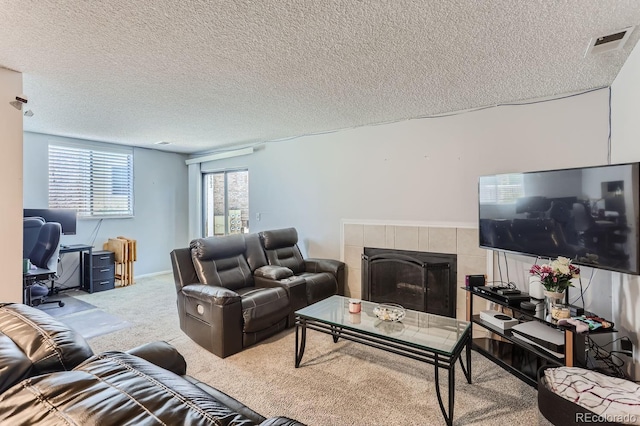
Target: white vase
[{"x": 536, "y": 289}]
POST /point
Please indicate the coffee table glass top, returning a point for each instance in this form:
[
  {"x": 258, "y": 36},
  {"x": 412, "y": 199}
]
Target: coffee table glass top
[{"x": 419, "y": 329}]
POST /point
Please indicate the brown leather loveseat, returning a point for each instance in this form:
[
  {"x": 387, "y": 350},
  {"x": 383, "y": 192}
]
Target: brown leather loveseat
[
  {"x": 230, "y": 295},
  {"x": 49, "y": 375}
]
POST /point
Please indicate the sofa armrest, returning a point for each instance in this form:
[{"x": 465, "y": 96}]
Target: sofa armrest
[
  {"x": 323, "y": 265},
  {"x": 212, "y": 317},
  {"x": 335, "y": 267},
  {"x": 211, "y": 294},
  {"x": 163, "y": 355},
  {"x": 281, "y": 421}
]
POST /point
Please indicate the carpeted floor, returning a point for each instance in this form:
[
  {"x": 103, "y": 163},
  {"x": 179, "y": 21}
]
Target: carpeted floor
[{"x": 337, "y": 384}]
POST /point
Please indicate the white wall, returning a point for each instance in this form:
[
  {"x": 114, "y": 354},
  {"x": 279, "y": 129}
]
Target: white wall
[
  {"x": 10, "y": 190},
  {"x": 160, "y": 206},
  {"x": 422, "y": 170},
  {"x": 625, "y": 137}
]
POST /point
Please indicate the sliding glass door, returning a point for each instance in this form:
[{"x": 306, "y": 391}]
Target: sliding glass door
[{"x": 226, "y": 202}]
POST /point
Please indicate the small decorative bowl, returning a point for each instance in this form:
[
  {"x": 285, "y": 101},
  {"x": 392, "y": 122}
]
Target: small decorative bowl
[{"x": 389, "y": 312}]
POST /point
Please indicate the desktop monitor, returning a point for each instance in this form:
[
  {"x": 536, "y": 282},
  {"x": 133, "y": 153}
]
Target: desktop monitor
[{"x": 65, "y": 217}]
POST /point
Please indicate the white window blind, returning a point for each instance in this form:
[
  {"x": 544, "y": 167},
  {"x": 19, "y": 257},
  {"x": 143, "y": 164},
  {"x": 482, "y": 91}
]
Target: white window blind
[
  {"x": 96, "y": 181},
  {"x": 501, "y": 189}
]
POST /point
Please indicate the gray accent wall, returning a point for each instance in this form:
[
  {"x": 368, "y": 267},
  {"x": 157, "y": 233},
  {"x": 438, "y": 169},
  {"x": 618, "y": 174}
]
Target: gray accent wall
[{"x": 160, "y": 221}]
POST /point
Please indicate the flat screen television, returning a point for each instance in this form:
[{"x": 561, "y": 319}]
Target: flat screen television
[
  {"x": 588, "y": 214},
  {"x": 65, "y": 217}
]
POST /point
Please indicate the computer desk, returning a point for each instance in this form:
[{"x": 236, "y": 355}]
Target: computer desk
[{"x": 85, "y": 278}]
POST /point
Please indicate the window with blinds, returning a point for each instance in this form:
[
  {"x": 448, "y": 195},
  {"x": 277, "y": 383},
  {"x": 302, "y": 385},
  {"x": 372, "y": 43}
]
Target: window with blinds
[
  {"x": 501, "y": 189},
  {"x": 96, "y": 181}
]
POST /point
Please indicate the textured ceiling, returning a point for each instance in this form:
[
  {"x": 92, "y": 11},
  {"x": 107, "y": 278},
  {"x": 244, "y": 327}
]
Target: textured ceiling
[{"x": 206, "y": 75}]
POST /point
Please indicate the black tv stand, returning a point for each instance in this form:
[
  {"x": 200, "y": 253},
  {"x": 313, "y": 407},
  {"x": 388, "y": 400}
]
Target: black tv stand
[{"x": 514, "y": 355}]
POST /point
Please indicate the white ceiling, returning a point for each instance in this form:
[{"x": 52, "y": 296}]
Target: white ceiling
[{"x": 206, "y": 75}]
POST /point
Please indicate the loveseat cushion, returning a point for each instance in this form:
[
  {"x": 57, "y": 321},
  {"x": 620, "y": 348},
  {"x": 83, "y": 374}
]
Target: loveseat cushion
[
  {"x": 32, "y": 342},
  {"x": 143, "y": 393},
  {"x": 263, "y": 307},
  {"x": 220, "y": 261},
  {"x": 281, "y": 248}
]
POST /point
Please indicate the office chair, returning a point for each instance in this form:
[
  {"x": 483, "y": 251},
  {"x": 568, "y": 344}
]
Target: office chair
[
  {"x": 44, "y": 256},
  {"x": 30, "y": 231}
]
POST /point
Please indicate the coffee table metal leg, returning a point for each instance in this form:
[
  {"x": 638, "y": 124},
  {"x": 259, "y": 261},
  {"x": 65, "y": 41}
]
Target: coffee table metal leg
[
  {"x": 335, "y": 333},
  {"x": 303, "y": 341},
  {"x": 447, "y": 417},
  {"x": 467, "y": 371},
  {"x": 452, "y": 391}
]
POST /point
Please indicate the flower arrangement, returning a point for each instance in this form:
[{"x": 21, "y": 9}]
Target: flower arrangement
[{"x": 557, "y": 275}]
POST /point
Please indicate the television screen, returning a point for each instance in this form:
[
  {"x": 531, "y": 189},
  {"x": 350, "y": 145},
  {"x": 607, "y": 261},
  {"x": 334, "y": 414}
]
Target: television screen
[
  {"x": 65, "y": 217},
  {"x": 588, "y": 214}
]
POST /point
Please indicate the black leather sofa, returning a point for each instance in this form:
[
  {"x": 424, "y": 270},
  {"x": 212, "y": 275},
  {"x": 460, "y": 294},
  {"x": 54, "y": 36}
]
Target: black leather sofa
[
  {"x": 230, "y": 295},
  {"x": 49, "y": 375}
]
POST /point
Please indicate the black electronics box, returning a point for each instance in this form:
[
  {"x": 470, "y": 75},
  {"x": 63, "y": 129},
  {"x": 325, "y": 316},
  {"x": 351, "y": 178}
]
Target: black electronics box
[
  {"x": 575, "y": 311},
  {"x": 474, "y": 281}
]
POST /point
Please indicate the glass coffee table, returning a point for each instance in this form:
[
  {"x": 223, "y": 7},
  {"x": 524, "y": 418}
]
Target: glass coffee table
[{"x": 429, "y": 338}]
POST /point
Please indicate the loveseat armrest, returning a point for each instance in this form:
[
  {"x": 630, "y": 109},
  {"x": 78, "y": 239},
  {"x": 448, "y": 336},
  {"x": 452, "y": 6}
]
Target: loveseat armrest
[
  {"x": 273, "y": 272},
  {"x": 163, "y": 355},
  {"x": 211, "y": 294},
  {"x": 212, "y": 317},
  {"x": 281, "y": 421},
  {"x": 334, "y": 267},
  {"x": 323, "y": 265}
]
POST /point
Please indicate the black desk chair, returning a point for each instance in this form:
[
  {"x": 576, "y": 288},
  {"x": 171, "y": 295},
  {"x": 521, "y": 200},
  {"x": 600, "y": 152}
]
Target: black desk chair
[
  {"x": 44, "y": 256},
  {"x": 30, "y": 231}
]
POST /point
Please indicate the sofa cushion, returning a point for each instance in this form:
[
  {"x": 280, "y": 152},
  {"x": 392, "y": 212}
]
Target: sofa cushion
[
  {"x": 32, "y": 342},
  {"x": 143, "y": 393},
  {"x": 279, "y": 238},
  {"x": 263, "y": 307},
  {"x": 212, "y": 248},
  {"x": 281, "y": 249}
]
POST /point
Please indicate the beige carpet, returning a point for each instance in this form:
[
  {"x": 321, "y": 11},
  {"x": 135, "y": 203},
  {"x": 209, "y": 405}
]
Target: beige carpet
[{"x": 337, "y": 384}]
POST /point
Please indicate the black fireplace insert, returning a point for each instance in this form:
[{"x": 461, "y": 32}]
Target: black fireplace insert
[{"x": 419, "y": 281}]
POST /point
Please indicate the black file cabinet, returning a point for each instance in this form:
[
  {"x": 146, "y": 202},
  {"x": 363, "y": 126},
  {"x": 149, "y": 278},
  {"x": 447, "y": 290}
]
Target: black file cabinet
[{"x": 103, "y": 270}]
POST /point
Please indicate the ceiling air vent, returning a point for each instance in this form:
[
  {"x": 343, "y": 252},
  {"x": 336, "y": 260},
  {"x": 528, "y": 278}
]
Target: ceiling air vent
[{"x": 609, "y": 42}]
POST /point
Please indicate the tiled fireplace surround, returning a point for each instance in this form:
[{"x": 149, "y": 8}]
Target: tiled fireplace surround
[{"x": 435, "y": 239}]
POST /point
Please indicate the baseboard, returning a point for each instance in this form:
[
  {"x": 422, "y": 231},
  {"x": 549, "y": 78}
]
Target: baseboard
[{"x": 152, "y": 274}]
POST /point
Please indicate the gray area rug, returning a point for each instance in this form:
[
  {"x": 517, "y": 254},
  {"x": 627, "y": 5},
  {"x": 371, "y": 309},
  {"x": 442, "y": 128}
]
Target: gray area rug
[
  {"x": 71, "y": 306},
  {"x": 337, "y": 384},
  {"x": 94, "y": 323},
  {"x": 82, "y": 316}
]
